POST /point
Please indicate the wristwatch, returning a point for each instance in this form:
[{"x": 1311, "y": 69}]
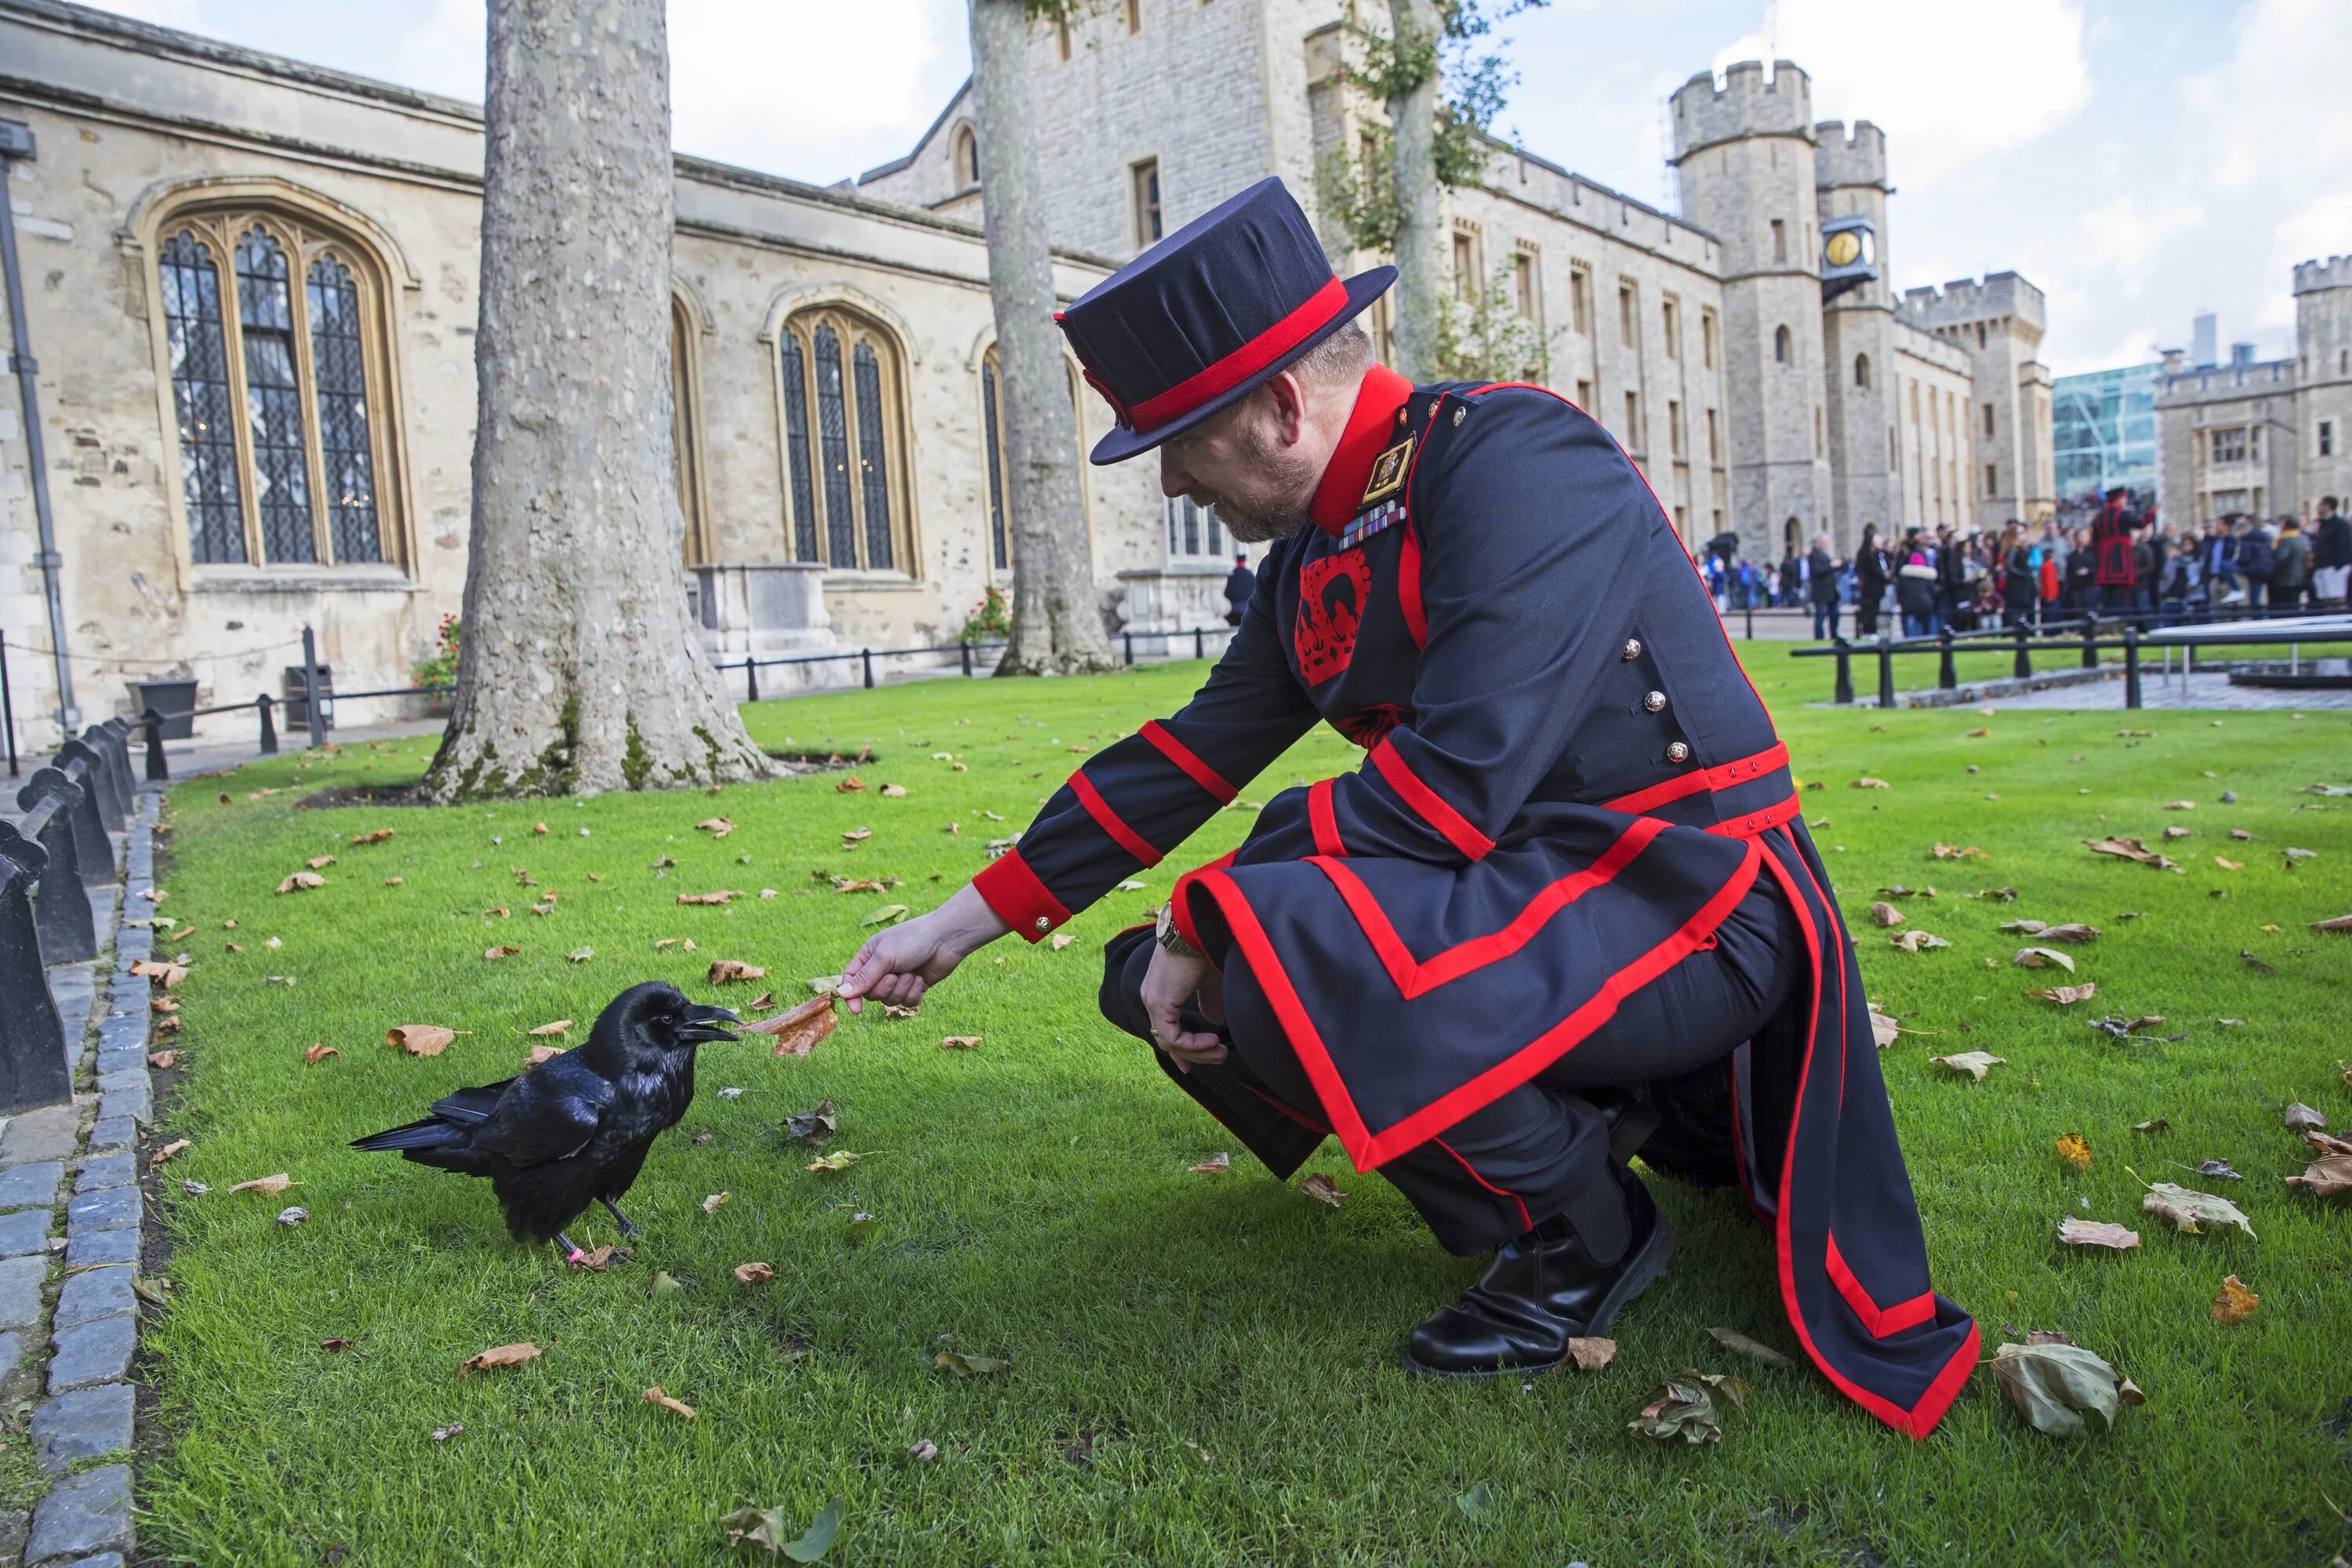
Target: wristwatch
[{"x": 1169, "y": 937}]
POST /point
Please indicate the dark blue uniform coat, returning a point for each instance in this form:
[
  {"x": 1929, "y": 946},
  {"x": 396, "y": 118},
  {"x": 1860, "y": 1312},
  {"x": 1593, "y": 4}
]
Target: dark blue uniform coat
[{"x": 1568, "y": 783}]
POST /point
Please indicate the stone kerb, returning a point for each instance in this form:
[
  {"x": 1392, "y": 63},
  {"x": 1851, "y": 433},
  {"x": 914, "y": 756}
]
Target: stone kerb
[{"x": 69, "y": 1195}]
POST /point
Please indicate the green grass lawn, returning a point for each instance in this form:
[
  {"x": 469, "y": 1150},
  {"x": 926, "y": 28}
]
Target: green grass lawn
[{"x": 1204, "y": 1367}]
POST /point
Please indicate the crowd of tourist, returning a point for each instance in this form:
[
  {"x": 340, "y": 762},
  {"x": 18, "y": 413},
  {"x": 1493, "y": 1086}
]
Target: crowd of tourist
[{"x": 2124, "y": 564}]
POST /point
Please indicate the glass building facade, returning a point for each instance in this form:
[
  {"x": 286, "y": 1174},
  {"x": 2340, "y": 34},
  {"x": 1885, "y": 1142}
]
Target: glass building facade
[{"x": 2103, "y": 433}]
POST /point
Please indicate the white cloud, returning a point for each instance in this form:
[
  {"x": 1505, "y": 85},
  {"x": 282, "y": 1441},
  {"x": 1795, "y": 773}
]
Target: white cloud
[
  {"x": 805, "y": 87},
  {"x": 1894, "y": 66}
]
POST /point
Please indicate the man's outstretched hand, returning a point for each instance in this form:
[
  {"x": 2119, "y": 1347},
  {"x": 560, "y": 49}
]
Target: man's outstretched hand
[{"x": 899, "y": 962}]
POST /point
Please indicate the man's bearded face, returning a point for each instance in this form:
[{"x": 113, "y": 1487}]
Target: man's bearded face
[{"x": 1236, "y": 463}]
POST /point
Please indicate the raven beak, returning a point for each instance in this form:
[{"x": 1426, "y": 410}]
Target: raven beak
[{"x": 703, "y": 1024}]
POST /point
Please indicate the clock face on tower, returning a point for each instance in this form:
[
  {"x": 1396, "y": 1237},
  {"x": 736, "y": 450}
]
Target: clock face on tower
[{"x": 1844, "y": 249}]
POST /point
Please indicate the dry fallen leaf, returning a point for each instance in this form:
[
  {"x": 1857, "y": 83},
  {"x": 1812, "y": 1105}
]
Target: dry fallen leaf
[
  {"x": 2175, "y": 832},
  {"x": 2023, "y": 928},
  {"x": 1740, "y": 1345},
  {"x": 885, "y": 915},
  {"x": 849, "y": 785},
  {"x": 2070, "y": 933},
  {"x": 800, "y": 1030},
  {"x": 754, "y": 1273},
  {"x": 319, "y": 862},
  {"x": 726, "y": 972},
  {"x": 501, "y": 1355},
  {"x": 2075, "y": 1231},
  {"x": 711, "y": 1204},
  {"x": 301, "y": 882},
  {"x": 1323, "y": 1190},
  {"x": 1217, "y": 1164},
  {"x": 378, "y": 836},
  {"x": 717, "y": 826},
  {"x": 857, "y": 836},
  {"x": 2130, "y": 849},
  {"x": 1589, "y": 1354},
  {"x": 1887, "y": 914},
  {"x": 1870, "y": 784},
  {"x": 2184, "y": 1208},
  {"x": 2228, "y": 865},
  {"x": 2340, "y": 923},
  {"x": 175, "y": 1146},
  {"x": 1063, "y": 939},
  {"x": 894, "y": 791},
  {"x": 707, "y": 899},
  {"x": 162, "y": 1061},
  {"x": 1683, "y": 1408},
  {"x": 2299, "y": 1118},
  {"x": 1884, "y": 1029},
  {"x": 556, "y": 1027},
  {"x": 833, "y": 1164},
  {"x": 2062, "y": 1389},
  {"x": 2236, "y": 1304},
  {"x": 653, "y": 1396},
  {"x": 580, "y": 955},
  {"x": 2067, "y": 995},
  {"x": 420, "y": 1039},
  {"x": 2327, "y": 1178},
  {"x": 494, "y": 954},
  {"x": 1976, "y": 1064},
  {"x": 2076, "y": 1150},
  {"x": 1916, "y": 941},
  {"x": 267, "y": 1187},
  {"x": 318, "y": 1054},
  {"x": 966, "y": 1365},
  {"x": 542, "y": 1054},
  {"x": 332, "y": 1346},
  {"x": 2042, "y": 958}
]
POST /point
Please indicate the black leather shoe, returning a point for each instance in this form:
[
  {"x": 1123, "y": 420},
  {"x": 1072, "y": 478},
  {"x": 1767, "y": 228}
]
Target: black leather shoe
[{"x": 1542, "y": 1291}]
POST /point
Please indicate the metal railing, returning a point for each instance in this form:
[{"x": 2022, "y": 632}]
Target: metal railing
[
  {"x": 2132, "y": 642},
  {"x": 50, "y": 860}
]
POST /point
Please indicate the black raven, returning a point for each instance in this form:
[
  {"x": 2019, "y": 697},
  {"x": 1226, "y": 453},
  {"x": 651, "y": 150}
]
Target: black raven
[{"x": 576, "y": 1127}]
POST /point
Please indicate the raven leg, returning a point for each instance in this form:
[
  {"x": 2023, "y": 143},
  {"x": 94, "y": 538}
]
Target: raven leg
[
  {"x": 628, "y": 1227},
  {"x": 571, "y": 1248}
]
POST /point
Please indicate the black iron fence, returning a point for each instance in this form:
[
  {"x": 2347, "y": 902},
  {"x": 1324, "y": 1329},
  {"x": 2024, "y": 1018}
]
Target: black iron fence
[
  {"x": 50, "y": 860},
  {"x": 2077, "y": 633}
]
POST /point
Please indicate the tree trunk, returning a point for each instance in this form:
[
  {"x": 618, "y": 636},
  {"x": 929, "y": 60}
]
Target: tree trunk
[
  {"x": 1412, "y": 137},
  {"x": 1057, "y": 626},
  {"x": 579, "y": 671}
]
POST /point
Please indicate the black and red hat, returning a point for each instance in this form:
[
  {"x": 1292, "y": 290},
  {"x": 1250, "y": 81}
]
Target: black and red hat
[{"x": 1212, "y": 311}]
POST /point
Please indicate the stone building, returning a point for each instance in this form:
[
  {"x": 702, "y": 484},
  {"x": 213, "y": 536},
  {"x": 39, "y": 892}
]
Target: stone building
[
  {"x": 251, "y": 291},
  {"x": 2265, "y": 437},
  {"x": 1703, "y": 341}
]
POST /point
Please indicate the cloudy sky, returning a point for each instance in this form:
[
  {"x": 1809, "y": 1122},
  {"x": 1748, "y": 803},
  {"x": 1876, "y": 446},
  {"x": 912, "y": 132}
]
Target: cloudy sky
[{"x": 2139, "y": 159}]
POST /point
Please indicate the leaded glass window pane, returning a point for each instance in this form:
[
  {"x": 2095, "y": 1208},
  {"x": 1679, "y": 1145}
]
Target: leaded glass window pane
[
  {"x": 1191, "y": 527},
  {"x": 338, "y": 375},
  {"x": 873, "y": 459},
  {"x": 796, "y": 451},
  {"x": 273, "y": 399},
  {"x": 996, "y": 528},
  {"x": 200, "y": 401},
  {"x": 1216, "y": 530},
  {"x": 832, "y": 450}
]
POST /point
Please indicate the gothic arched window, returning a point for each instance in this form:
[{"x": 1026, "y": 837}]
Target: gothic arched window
[
  {"x": 274, "y": 332},
  {"x": 965, "y": 146},
  {"x": 1861, "y": 369},
  {"x": 1781, "y": 345},
  {"x": 845, "y": 441},
  {"x": 686, "y": 430}
]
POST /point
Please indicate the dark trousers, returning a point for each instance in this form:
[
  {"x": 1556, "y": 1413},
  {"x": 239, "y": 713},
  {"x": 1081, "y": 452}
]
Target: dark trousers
[
  {"x": 1539, "y": 1150},
  {"x": 1825, "y": 614}
]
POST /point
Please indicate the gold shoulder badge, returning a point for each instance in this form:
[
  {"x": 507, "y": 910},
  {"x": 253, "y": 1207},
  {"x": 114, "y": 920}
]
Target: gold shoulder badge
[{"x": 1388, "y": 473}]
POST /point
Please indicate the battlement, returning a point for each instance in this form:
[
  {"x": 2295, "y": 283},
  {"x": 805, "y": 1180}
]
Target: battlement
[
  {"x": 1968, "y": 299},
  {"x": 1840, "y": 158},
  {"x": 1746, "y": 104},
  {"x": 2311, "y": 277}
]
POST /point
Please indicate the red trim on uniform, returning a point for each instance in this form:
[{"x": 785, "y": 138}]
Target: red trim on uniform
[
  {"x": 1300, "y": 1117},
  {"x": 1369, "y": 1150},
  {"x": 1010, "y": 888},
  {"x": 1432, "y": 808},
  {"x": 1526, "y": 1223},
  {"x": 1323, "y": 819},
  {"x": 1182, "y": 901},
  {"x": 1110, "y": 822},
  {"x": 1371, "y": 429},
  {"x": 1754, "y": 823},
  {"x": 1722, "y": 776},
  {"x": 1315, "y": 313},
  {"x": 1921, "y": 1418},
  {"x": 1408, "y": 602},
  {"x": 1416, "y": 978},
  {"x": 1880, "y": 1321},
  {"x": 1184, "y": 756}
]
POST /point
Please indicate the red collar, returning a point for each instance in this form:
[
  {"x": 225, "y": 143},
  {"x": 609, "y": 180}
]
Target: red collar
[{"x": 1374, "y": 425}]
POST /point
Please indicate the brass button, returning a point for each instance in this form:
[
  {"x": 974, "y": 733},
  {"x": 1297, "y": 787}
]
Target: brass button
[
  {"x": 1043, "y": 924},
  {"x": 1458, "y": 413},
  {"x": 1677, "y": 752},
  {"x": 1656, "y": 702},
  {"x": 1632, "y": 648}
]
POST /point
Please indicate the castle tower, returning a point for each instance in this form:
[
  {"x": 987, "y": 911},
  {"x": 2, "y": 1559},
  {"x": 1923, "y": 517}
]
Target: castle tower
[
  {"x": 1858, "y": 339},
  {"x": 2323, "y": 347},
  {"x": 1744, "y": 153},
  {"x": 1997, "y": 323}
]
